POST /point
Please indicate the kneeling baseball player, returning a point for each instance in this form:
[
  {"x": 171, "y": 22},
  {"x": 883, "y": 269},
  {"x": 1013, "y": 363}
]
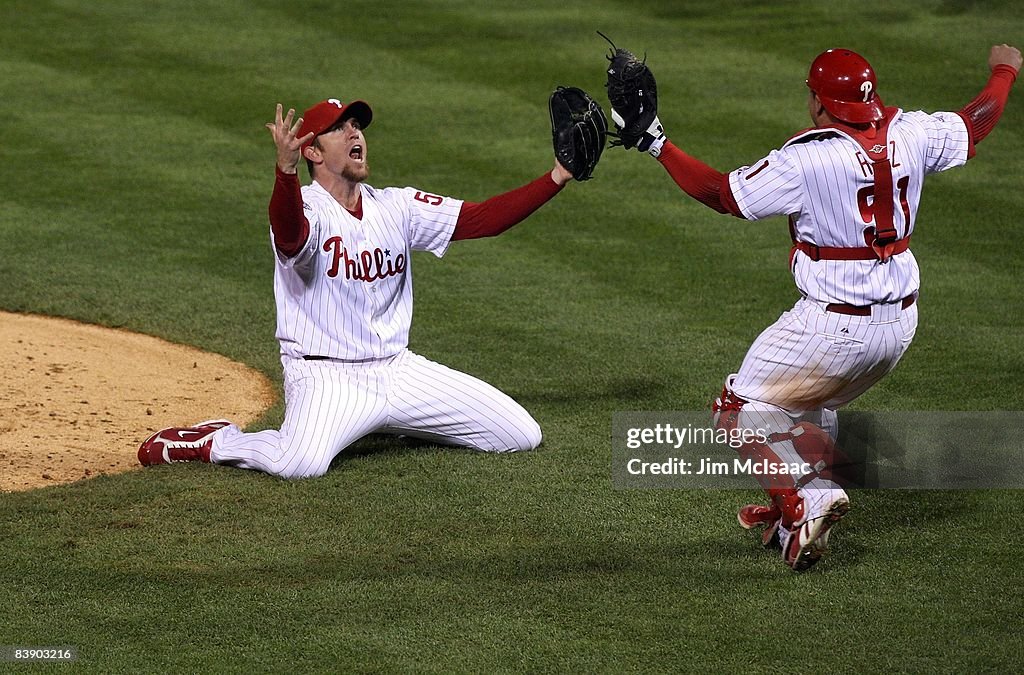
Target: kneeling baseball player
[
  {"x": 343, "y": 286},
  {"x": 850, "y": 187}
]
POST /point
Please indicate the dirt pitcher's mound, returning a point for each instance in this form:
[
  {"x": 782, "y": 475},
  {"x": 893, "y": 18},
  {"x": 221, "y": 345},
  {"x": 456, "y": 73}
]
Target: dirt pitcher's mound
[{"x": 77, "y": 400}]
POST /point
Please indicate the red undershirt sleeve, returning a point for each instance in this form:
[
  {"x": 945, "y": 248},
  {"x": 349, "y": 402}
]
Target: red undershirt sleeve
[
  {"x": 287, "y": 221},
  {"x": 700, "y": 181},
  {"x": 497, "y": 214},
  {"x": 981, "y": 114}
]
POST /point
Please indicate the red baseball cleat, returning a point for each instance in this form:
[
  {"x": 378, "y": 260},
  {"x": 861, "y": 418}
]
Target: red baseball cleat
[
  {"x": 755, "y": 515},
  {"x": 769, "y": 517},
  {"x": 180, "y": 444}
]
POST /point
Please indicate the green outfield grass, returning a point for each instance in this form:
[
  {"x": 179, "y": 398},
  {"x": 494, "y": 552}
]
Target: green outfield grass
[{"x": 136, "y": 178}]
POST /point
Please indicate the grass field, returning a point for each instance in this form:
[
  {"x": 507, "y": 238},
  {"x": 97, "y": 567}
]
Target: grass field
[{"x": 137, "y": 173}]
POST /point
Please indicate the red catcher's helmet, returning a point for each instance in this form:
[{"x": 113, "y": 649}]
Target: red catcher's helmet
[{"x": 845, "y": 83}]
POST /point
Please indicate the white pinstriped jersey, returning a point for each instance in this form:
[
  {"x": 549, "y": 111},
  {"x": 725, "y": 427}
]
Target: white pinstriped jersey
[
  {"x": 348, "y": 293},
  {"x": 822, "y": 179}
]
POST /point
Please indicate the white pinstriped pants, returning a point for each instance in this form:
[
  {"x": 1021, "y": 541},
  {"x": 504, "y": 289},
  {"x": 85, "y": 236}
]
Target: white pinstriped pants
[
  {"x": 811, "y": 361},
  {"x": 331, "y": 404}
]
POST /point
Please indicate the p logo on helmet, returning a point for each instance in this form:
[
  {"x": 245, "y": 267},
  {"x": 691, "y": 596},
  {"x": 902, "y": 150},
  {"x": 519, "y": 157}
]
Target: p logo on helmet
[{"x": 866, "y": 88}]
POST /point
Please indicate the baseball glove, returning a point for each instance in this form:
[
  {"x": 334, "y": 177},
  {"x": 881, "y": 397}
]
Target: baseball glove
[
  {"x": 578, "y": 130},
  {"x": 633, "y": 94}
]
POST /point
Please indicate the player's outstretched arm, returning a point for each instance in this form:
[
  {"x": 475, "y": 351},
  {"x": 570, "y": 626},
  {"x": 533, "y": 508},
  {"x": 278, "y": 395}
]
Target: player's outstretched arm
[
  {"x": 578, "y": 136},
  {"x": 984, "y": 111},
  {"x": 497, "y": 214},
  {"x": 707, "y": 185},
  {"x": 287, "y": 220},
  {"x": 633, "y": 94}
]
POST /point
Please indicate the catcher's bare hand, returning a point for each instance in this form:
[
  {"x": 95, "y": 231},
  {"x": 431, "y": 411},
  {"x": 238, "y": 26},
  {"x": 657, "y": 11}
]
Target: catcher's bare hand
[
  {"x": 1004, "y": 55},
  {"x": 288, "y": 144}
]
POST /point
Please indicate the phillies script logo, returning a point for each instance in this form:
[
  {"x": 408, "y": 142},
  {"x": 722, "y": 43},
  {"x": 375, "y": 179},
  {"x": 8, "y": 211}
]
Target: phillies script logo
[{"x": 367, "y": 265}]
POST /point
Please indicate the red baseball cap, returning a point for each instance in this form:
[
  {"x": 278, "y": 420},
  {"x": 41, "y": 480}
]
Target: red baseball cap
[
  {"x": 846, "y": 85},
  {"x": 326, "y": 114}
]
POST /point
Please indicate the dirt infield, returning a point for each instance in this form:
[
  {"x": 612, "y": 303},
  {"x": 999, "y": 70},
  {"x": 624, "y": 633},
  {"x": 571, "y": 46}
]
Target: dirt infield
[{"x": 76, "y": 400}]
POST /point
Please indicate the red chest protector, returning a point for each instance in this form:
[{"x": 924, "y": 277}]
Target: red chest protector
[{"x": 881, "y": 239}]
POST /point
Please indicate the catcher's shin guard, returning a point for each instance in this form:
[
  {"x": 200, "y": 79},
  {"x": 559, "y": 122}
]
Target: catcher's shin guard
[
  {"x": 804, "y": 442},
  {"x": 811, "y": 443},
  {"x": 783, "y": 487},
  {"x": 816, "y": 447},
  {"x": 780, "y": 486}
]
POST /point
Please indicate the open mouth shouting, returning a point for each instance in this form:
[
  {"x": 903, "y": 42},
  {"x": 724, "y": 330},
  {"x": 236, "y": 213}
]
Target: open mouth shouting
[{"x": 356, "y": 153}]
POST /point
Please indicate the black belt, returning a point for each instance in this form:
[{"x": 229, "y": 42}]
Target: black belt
[
  {"x": 318, "y": 357},
  {"x": 854, "y": 310}
]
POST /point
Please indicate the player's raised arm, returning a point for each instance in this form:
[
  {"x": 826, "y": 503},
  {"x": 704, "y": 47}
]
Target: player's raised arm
[
  {"x": 287, "y": 221},
  {"x": 982, "y": 114}
]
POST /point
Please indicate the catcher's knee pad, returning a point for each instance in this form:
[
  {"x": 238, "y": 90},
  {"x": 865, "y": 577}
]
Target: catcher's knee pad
[{"x": 726, "y": 408}]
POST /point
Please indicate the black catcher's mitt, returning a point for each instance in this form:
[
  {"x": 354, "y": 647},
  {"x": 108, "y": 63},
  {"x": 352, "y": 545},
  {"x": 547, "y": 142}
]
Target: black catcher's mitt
[
  {"x": 633, "y": 94},
  {"x": 578, "y": 130}
]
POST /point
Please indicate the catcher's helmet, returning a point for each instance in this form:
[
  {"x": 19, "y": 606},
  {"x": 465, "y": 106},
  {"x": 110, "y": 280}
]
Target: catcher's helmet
[{"x": 845, "y": 83}]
